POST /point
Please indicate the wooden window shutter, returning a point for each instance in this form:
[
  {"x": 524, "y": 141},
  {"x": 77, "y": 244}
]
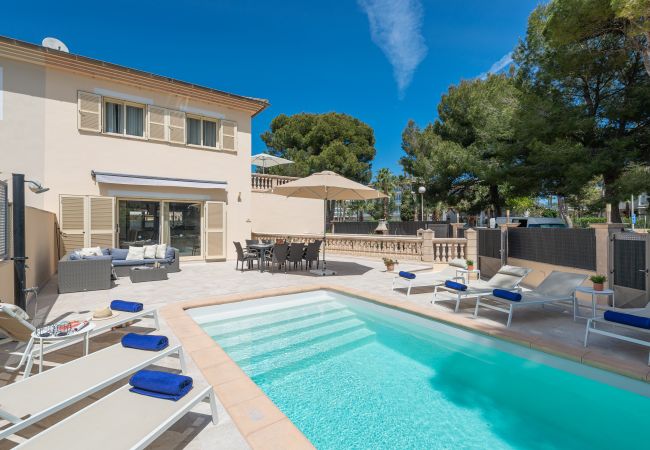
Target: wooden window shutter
[
  {"x": 228, "y": 135},
  {"x": 176, "y": 126},
  {"x": 73, "y": 221},
  {"x": 156, "y": 123},
  {"x": 102, "y": 222},
  {"x": 215, "y": 230},
  {"x": 90, "y": 111}
]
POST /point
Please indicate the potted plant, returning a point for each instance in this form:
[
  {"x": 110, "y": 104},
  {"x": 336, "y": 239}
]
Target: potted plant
[
  {"x": 599, "y": 282},
  {"x": 470, "y": 264},
  {"x": 390, "y": 264}
]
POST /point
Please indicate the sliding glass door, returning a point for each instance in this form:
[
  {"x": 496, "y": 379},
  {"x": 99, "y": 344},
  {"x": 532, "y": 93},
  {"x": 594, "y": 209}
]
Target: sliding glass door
[
  {"x": 184, "y": 222},
  {"x": 146, "y": 222},
  {"x": 139, "y": 222}
]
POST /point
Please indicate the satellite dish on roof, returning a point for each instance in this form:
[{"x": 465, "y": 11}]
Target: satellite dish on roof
[{"x": 54, "y": 43}]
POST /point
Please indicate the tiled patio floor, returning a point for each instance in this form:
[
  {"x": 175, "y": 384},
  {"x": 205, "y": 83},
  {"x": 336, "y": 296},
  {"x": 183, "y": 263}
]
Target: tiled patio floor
[{"x": 204, "y": 280}]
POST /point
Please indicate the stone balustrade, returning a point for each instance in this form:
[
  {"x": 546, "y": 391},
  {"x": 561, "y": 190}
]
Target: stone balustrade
[
  {"x": 263, "y": 182},
  {"x": 399, "y": 247}
]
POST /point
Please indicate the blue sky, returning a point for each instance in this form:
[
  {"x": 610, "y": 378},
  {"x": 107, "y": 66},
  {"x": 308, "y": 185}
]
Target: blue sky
[{"x": 383, "y": 61}]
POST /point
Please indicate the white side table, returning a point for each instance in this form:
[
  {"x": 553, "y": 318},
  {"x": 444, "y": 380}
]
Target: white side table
[
  {"x": 466, "y": 273},
  {"x": 594, "y": 295},
  {"x": 85, "y": 332}
]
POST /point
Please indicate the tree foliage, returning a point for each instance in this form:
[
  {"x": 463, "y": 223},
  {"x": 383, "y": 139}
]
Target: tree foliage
[
  {"x": 576, "y": 109},
  {"x": 460, "y": 156},
  {"x": 316, "y": 142}
]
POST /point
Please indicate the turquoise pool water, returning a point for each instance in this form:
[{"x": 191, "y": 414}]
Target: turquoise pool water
[{"x": 351, "y": 374}]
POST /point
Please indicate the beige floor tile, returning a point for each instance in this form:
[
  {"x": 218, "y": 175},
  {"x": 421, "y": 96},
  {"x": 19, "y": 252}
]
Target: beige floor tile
[
  {"x": 282, "y": 435},
  {"x": 255, "y": 414}
]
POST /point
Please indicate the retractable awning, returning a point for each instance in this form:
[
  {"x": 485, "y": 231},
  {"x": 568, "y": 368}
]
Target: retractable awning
[{"x": 144, "y": 180}]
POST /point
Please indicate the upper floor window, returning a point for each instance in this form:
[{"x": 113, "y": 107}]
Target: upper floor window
[
  {"x": 123, "y": 118},
  {"x": 202, "y": 132}
]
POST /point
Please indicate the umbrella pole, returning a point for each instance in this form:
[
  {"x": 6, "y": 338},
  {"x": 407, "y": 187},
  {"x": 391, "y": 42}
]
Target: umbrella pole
[{"x": 324, "y": 270}]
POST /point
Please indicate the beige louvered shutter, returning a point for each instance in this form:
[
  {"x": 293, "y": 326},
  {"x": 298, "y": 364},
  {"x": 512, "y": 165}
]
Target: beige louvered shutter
[
  {"x": 176, "y": 126},
  {"x": 102, "y": 222},
  {"x": 73, "y": 221},
  {"x": 215, "y": 230},
  {"x": 228, "y": 135},
  {"x": 156, "y": 127},
  {"x": 90, "y": 111}
]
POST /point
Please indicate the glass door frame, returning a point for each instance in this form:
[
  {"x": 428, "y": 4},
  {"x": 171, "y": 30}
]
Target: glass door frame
[{"x": 164, "y": 222}]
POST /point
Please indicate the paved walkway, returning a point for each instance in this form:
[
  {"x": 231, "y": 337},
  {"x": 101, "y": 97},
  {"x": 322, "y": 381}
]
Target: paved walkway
[{"x": 199, "y": 280}]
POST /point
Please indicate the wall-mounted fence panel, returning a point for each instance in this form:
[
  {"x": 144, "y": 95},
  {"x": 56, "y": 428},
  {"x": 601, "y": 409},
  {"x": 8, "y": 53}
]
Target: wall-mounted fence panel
[
  {"x": 630, "y": 260},
  {"x": 489, "y": 242},
  {"x": 567, "y": 247}
]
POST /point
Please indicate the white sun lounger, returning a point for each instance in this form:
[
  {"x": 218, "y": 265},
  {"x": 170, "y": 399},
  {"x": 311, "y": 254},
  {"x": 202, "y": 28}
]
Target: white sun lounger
[
  {"x": 557, "y": 287},
  {"x": 508, "y": 277},
  {"x": 14, "y": 325},
  {"x": 432, "y": 278},
  {"x": 30, "y": 400},
  {"x": 640, "y": 312},
  {"x": 121, "y": 420}
]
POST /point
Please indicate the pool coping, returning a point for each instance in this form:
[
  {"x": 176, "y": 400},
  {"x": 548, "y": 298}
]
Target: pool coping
[{"x": 264, "y": 425}]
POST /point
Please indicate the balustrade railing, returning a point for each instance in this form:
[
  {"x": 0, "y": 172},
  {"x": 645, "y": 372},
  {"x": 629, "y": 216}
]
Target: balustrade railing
[
  {"x": 263, "y": 182},
  {"x": 399, "y": 247}
]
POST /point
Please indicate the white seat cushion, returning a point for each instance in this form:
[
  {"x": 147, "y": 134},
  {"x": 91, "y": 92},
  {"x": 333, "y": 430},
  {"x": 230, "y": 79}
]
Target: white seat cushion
[{"x": 90, "y": 251}]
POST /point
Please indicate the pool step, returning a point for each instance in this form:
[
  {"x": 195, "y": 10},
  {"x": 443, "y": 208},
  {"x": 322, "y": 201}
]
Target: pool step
[
  {"x": 305, "y": 356},
  {"x": 305, "y": 338},
  {"x": 256, "y": 322},
  {"x": 247, "y": 339}
]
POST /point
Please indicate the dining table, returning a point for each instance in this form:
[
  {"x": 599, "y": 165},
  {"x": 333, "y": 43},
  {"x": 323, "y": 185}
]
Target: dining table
[{"x": 261, "y": 250}]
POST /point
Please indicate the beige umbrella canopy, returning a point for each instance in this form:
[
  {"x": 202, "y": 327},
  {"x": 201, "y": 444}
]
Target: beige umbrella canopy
[{"x": 327, "y": 186}]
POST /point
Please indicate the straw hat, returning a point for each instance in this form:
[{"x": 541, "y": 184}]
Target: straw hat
[{"x": 104, "y": 314}]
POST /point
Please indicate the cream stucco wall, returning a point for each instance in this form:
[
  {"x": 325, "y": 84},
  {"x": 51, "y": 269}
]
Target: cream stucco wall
[
  {"x": 39, "y": 137},
  {"x": 41, "y": 250},
  {"x": 276, "y": 214}
]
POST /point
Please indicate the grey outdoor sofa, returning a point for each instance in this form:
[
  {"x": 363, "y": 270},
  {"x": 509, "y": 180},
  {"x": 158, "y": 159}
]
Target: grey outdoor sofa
[{"x": 93, "y": 274}]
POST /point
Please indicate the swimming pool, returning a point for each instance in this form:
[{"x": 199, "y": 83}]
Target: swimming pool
[{"x": 353, "y": 374}]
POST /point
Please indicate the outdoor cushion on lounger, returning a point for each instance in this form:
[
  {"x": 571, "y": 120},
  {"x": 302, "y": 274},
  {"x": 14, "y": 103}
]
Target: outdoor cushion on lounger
[
  {"x": 126, "y": 306},
  {"x": 507, "y": 295},
  {"x": 407, "y": 275},
  {"x": 158, "y": 384},
  {"x": 455, "y": 286},
  {"x": 627, "y": 319},
  {"x": 145, "y": 341}
]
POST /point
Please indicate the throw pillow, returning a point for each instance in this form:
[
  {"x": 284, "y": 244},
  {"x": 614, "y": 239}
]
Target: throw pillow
[
  {"x": 149, "y": 251},
  {"x": 135, "y": 254},
  {"x": 119, "y": 253},
  {"x": 161, "y": 249},
  {"x": 90, "y": 251}
]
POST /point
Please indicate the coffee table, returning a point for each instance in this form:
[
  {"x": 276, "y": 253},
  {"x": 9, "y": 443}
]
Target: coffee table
[{"x": 142, "y": 274}]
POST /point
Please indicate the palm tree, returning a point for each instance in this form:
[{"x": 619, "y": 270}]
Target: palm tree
[{"x": 385, "y": 182}]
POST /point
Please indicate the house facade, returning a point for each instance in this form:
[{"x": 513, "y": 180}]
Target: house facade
[{"x": 130, "y": 158}]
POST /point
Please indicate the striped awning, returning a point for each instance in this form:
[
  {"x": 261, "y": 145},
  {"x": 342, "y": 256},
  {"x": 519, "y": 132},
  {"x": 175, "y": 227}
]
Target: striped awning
[{"x": 144, "y": 180}]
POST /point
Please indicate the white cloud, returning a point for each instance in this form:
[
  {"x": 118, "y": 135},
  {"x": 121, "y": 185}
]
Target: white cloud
[
  {"x": 395, "y": 27},
  {"x": 498, "y": 66}
]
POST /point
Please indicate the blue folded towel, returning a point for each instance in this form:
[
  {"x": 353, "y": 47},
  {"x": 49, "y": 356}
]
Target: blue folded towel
[
  {"x": 455, "y": 286},
  {"x": 126, "y": 306},
  {"x": 145, "y": 341},
  {"x": 165, "y": 385},
  {"x": 628, "y": 319},
  {"x": 508, "y": 295},
  {"x": 407, "y": 275}
]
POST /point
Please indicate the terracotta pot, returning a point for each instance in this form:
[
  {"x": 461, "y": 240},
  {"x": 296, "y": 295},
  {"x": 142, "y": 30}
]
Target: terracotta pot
[
  {"x": 470, "y": 268},
  {"x": 599, "y": 286},
  {"x": 390, "y": 267}
]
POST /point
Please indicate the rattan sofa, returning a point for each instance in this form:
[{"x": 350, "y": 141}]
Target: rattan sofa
[{"x": 93, "y": 274}]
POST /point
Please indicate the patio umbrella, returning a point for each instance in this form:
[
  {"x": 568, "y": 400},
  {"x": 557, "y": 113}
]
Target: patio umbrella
[
  {"x": 327, "y": 186},
  {"x": 265, "y": 160}
]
